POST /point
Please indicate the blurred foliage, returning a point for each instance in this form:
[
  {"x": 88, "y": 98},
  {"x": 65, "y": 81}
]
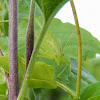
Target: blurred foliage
[
  {"x": 4, "y": 16},
  {"x": 93, "y": 66},
  {"x": 91, "y": 91}
]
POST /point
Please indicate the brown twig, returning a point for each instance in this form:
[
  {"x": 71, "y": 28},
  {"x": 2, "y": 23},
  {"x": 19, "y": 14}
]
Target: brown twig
[{"x": 30, "y": 34}]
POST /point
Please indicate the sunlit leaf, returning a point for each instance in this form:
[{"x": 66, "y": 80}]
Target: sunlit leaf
[
  {"x": 42, "y": 76},
  {"x": 67, "y": 34}
]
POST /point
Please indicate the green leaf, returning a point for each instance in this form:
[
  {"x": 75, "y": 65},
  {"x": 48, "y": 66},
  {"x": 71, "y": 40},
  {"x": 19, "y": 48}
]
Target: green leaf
[
  {"x": 6, "y": 24},
  {"x": 4, "y": 16},
  {"x": 4, "y": 63},
  {"x": 21, "y": 45},
  {"x": 90, "y": 91},
  {"x": 4, "y": 44},
  {"x": 94, "y": 98},
  {"x": 97, "y": 93},
  {"x": 86, "y": 77},
  {"x": 42, "y": 76},
  {"x": 50, "y": 7},
  {"x": 3, "y": 89},
  {"x": 3, "y": 97},
  {"x": 67, "y": 34},
  {"x": 21, "y": 66},
  {"x": 25, "y": 8},
  {"x": 30, "y": 94},
  {"x": 61, "y": 73}
]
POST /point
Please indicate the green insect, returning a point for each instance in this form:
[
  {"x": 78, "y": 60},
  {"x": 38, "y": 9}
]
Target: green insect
[{"x": 51, "y": 48}]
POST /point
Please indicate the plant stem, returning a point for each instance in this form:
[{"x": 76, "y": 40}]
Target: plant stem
[
  {"x": 32, "y": 61},
  {"x": 35, "y": 52},
  {"x": 13, "y": 52},
  {"x": 65, "y": 89},
  {"x": 79, "y": 50},
  {"x": 30, "y": 34}
]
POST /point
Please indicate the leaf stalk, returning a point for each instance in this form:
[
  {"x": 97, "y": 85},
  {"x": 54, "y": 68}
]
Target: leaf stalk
[
  {"x": 66, "y": 89},
  {"x": 79, "y": 50}
]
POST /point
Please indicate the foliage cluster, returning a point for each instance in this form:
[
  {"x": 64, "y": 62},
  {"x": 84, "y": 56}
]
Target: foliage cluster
[{"x": 56, "y": 62}]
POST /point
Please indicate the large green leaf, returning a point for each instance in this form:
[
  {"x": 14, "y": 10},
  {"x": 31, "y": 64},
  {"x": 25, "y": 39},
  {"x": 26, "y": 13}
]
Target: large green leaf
[
  {"x": 42, "y": 76},
  {"x": 90, "y": 91},
  {"x": 21, "y": 66},
  {"x": 86, "y": 77},
  {"x": 67, "y": 34},
  {"x": 64, "y": 32},
  {"x": 62, "y": 73},
  {"x": 50, "y": 7}
]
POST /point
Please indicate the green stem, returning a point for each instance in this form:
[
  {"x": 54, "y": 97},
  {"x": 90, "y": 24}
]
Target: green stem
[
  {"x": 79, "y": 50},
  {"x": 65, "y": 89},
  {"x": 32, "y": 61},
  {"x": 35, "y": 52}
]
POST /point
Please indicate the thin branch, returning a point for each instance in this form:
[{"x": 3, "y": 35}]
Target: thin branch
[
  {"x": 30, "y": 34},
  {"x": 65, "y": 89},
  {"x": 79, "y": 50},
  {"x": 13, "y": 52}
]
